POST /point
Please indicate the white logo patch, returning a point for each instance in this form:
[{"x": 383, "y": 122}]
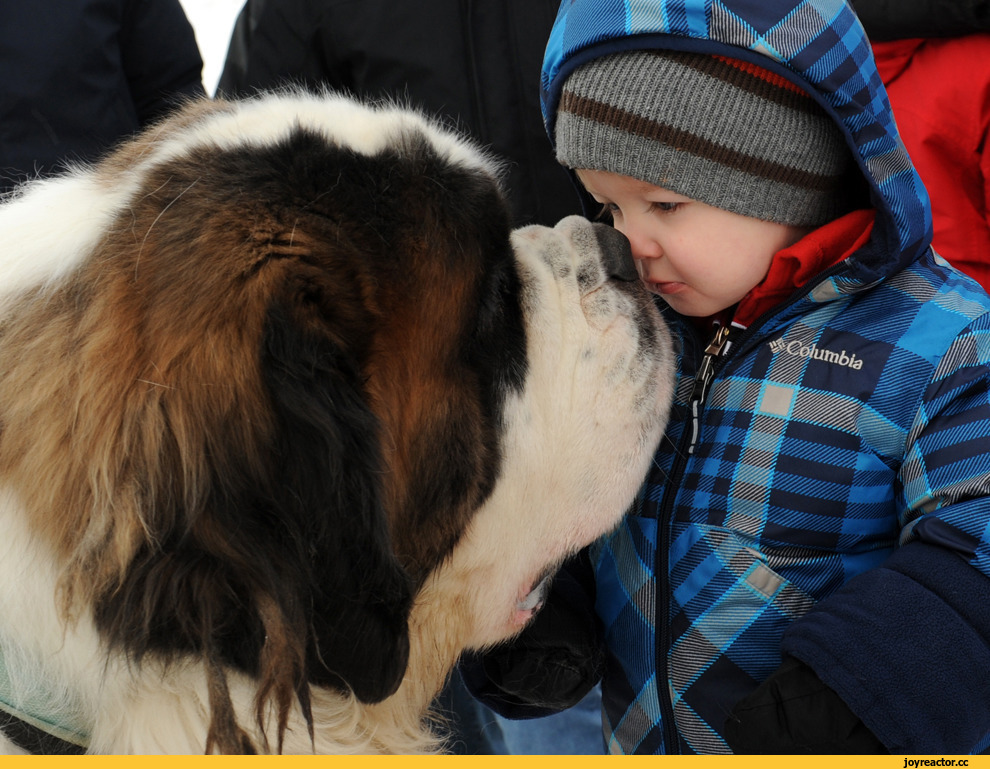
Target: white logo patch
[{"x": 801, "y": 350}]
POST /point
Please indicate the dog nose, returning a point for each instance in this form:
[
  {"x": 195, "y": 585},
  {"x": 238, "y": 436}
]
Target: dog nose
[{"x": 616, "y": 253}]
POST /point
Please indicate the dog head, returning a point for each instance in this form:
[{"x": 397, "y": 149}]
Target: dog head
[{"x": 276, "y": 361}]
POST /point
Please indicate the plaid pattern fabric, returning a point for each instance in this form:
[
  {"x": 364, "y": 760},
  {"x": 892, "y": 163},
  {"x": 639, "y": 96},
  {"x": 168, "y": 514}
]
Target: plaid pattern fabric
[
  {"x": 792, "y": 489},
  {"x": 848, "y": 423}
]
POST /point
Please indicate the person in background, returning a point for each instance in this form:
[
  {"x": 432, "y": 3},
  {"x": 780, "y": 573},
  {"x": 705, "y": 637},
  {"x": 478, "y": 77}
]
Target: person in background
[
  {"x": 475, "y": 65},
  {"x": 899, "y": 19},
  {"x": 807, "y": 566},
  {"x": 934, "y": 59},
  {"x": 76, "y": 76}
]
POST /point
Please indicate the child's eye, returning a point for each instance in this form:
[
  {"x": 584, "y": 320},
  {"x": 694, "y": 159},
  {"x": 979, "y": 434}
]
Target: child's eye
[
  {"x": 607, "y": 213},
  {"x": 665, "y": 207}
]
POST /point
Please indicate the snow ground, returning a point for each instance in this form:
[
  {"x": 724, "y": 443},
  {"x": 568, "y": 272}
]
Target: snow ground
[{"x": 212, "y": 20}]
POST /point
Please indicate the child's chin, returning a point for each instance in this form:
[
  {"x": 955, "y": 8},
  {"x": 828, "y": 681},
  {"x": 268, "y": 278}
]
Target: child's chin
[{"x": 682, "y": 305}]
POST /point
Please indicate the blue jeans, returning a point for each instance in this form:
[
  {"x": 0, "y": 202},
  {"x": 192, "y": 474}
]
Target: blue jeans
[
  {"x": 575, "y": 731},
  {"x": 477, "y": 730}
]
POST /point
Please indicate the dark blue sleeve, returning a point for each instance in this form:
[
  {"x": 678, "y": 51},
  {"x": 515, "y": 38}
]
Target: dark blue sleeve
[
  {"x": 907, "y": 647},
  {"x": 898, "y": 19}
]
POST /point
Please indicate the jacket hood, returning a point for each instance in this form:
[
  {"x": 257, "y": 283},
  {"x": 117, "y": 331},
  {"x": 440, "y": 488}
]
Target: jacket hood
[{"x": 819, "y": 45}]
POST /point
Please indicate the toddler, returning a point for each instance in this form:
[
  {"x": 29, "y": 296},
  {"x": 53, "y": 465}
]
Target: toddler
[{"x": 807, "y": 567}]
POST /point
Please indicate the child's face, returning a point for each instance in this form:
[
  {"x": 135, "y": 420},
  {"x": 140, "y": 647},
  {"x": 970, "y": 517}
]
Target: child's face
[{"x": 699, "y": 258}]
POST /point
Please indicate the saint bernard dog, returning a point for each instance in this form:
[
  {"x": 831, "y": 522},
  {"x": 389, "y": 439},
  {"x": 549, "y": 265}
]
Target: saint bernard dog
[{"x": 289, "y": 418}]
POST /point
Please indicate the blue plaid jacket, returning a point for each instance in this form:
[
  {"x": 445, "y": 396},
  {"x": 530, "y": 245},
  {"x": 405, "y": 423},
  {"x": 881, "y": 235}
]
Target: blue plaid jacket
[{"x": 826, "y": 495}]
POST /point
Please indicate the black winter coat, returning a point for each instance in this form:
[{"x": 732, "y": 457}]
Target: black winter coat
[
  {"x": 77, "y": 75},
  {"x": 474, "y": 63},
  {"x": 898, "y": 19}
]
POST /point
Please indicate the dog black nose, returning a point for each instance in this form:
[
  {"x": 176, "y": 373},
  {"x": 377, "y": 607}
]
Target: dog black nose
[{"x": 616, "y": 254}]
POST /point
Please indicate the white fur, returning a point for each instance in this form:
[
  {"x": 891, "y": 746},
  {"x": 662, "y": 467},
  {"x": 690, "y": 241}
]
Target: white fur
[{"x": 45, "y": 255}]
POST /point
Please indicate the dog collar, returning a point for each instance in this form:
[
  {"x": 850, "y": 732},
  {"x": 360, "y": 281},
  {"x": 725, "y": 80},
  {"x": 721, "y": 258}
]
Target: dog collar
[{"x": 23, "y": 721}]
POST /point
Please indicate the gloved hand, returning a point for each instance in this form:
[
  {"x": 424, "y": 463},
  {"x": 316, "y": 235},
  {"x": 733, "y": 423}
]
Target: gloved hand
[
  {"x": 793, "y": 712},
  {"x": 553, "y": 663},
  {"x": 545, "y": 677}
]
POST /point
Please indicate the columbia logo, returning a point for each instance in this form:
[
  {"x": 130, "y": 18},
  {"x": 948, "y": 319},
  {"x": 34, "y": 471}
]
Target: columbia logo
[{"x": 802, "y": 350}]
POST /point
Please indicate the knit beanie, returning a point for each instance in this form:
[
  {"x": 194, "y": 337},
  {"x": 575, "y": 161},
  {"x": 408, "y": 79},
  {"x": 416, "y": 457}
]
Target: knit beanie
[{"x": 722, "y": 131}]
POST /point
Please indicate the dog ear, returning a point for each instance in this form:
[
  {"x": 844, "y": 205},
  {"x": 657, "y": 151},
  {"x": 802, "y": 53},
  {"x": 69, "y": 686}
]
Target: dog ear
[{"x": 327, "y": 484}]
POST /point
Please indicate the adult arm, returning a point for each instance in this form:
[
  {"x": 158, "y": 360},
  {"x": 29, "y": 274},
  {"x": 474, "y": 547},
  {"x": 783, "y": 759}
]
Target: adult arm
[
  {"x": 276, "y": 43},
  {"x": 898, "y": 19}
]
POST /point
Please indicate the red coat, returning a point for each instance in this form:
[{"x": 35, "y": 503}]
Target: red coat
[{"x": 940, "y": 93}]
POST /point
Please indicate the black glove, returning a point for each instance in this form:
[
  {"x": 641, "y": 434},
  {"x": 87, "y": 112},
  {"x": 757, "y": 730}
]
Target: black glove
[
  {"x": 552, "y": 664},
  {"x": 543, "y": 680},
  {"x": 793, "y": 712}
]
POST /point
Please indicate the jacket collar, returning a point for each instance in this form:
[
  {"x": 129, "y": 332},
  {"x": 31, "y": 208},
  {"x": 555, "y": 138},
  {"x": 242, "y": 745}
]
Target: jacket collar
[{"x": 796, "y": 265}]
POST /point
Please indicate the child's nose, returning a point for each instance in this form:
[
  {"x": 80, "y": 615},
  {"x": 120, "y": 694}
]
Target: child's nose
[{"x": 642, "y": 244}]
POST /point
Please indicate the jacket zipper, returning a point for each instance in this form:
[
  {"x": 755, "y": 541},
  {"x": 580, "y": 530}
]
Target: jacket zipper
[
  {"x": 714, "y": 352},
  {"x": 703, "y": 379}
]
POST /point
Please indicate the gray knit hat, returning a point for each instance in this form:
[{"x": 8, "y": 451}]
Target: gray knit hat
[{"x": 719, "y": 130}]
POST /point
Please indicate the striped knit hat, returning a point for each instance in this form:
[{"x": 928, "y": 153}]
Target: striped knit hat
[{"x": 719, "y": 130}]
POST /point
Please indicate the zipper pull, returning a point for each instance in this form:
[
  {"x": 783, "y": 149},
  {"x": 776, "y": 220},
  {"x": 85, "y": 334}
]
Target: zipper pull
[
  {"x": 702, "y": 381},
  {"x": 706, "y": 370}
]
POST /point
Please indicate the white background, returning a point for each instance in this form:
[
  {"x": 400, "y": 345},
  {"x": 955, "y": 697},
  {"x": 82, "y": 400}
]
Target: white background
[{"x": 213, "y": 21}]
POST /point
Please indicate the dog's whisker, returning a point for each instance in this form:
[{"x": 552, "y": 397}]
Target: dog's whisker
[{"x": 147, "y": 233}]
